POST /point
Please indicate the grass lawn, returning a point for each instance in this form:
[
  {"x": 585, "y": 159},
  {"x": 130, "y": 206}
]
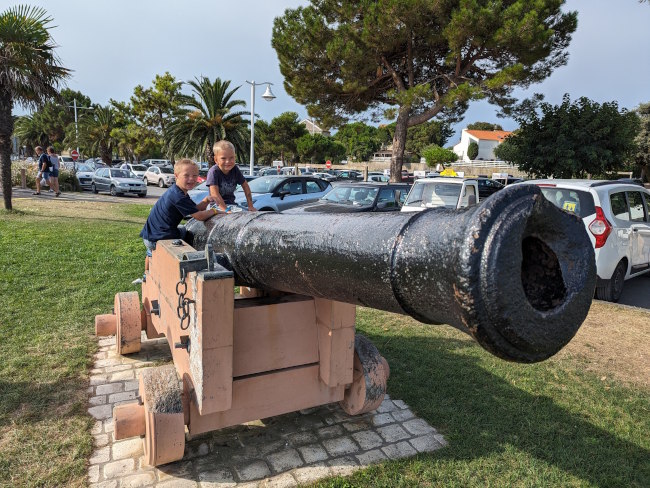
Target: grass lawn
[{"x": 579, "y": 419}]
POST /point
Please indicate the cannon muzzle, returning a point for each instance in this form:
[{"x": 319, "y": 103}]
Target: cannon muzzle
[{"x": 516, "y": 273}]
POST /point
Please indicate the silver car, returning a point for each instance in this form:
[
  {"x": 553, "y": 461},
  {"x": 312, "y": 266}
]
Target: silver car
[
  {"x": 84, "y": 176},
  {"x": 279, "y": 193},
  {"x": 117, "y": 182},
  {"x": 274, "y": 192}
]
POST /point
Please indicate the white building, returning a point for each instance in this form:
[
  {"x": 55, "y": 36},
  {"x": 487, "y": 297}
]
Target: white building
[
  {"x": 487, "y": 140},
  {"x": 312, "y": 128}
]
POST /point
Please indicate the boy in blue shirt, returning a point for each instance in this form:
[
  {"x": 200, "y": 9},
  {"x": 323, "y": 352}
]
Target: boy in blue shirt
[{"x": 174, "y": 206}]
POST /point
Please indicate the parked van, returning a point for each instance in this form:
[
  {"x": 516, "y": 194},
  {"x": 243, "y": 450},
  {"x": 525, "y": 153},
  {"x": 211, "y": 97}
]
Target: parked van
[{"x": 441, "y": 192}]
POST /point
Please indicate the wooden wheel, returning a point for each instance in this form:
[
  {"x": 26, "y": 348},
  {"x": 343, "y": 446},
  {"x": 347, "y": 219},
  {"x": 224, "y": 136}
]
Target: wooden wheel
[
  {"x": 129, "y": 322},
  {"x": 369, "y": 380},
  {"x": 164, "y": 439}
]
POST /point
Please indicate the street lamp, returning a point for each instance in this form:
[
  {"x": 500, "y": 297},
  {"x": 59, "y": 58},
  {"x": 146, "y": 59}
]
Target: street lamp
[
  {"x": 268, "y": 96},
  {"x": 76, "y": 130}
]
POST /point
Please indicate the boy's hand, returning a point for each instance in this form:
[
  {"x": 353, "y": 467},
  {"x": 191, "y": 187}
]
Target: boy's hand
[{"x": 251, "y": 208}]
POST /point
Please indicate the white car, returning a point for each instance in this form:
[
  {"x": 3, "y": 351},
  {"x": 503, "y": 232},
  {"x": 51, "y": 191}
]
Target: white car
[
  {"x": 441, "y": 192},
  {"x": 617, "y": 218},
  {"x": 159, "y": 175},
  {"x": 138, "y": 169}
]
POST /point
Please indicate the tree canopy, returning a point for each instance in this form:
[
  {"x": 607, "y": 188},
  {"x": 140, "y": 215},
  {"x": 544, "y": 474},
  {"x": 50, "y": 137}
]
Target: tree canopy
[
  {"x": 30, "y": 74},
  {"x": 642, "y": 154},
  {"x": 360, "y": 140},
  {"x": 435, "y": 155},
  {"x": 572, "y": 139},
  {"x": 208, "y": 115},
  {"x": 484, "y": 126},
  {"x": 420, "y": 58}
]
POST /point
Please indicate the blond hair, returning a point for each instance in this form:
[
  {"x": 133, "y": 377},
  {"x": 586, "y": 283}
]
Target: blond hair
[
  {"x": 183, "y": 162},
  {"x": 221, "y": 145}
]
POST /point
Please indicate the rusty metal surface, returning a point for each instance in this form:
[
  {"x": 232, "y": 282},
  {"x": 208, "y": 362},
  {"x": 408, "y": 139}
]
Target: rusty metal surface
[{"x": 516, "y": 273}]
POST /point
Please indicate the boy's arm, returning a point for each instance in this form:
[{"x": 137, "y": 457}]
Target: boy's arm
[
  {"x": 205, "y": 213},
  {"x": 203, "y": 204},
  {"x": 214, "y": 192},
  {"x": 249, "y": 196}
]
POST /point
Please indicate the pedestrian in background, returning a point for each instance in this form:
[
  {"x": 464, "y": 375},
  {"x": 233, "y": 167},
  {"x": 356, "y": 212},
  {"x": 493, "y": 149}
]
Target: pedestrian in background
[
  {"x": 54, "y": 171},
  {"x": 44, "y": 166}
]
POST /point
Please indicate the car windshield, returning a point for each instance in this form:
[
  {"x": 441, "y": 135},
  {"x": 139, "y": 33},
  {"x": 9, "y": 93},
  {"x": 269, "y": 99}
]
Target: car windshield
[
  {"x": 84, "y": 167},
  {"x": 352, "y": 195},
  {"x": 120, "y": 173},
  {"x": 434, "y": 194},
  {"x": 165, "y": 169},
  {"x": 263, "y": 184},
  {"x": 139, "y": 167}
]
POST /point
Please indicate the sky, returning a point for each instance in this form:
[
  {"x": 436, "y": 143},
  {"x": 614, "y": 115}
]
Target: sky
[{"x": 114, "y": 45}]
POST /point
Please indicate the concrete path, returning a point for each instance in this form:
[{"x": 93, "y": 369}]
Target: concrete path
[{"x": 284, "y": 451}]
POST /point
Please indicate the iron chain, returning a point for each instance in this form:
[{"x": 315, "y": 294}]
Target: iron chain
[{"x": 183, "y": 308}]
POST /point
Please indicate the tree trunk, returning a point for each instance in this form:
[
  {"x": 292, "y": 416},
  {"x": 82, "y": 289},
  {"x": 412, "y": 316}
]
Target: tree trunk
[
  {"x": 6, "y": 129},
  {"x": 399, "y": 145}
]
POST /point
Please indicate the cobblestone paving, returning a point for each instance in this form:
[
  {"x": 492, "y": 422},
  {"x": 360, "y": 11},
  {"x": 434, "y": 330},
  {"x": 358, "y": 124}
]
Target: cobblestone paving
[{"x": 283, "y": 451}]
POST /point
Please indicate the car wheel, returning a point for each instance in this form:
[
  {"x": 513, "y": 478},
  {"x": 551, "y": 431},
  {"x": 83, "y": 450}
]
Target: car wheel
[
  {"x": 161, "y": 183},
  {"x": 267, "y": 209},
  {"x": 142, "y": 195},
  {"x": 93, "y": 188},
  {"x": 612, "y": 290},
  {"x": 113, "y": 191}
]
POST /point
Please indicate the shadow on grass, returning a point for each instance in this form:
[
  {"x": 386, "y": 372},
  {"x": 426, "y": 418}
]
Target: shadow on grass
[{"x": 483, "y": 415}]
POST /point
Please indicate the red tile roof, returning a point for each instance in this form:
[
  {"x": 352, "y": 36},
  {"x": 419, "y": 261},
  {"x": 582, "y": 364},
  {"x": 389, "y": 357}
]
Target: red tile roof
[{"x": 490, "y": 135}]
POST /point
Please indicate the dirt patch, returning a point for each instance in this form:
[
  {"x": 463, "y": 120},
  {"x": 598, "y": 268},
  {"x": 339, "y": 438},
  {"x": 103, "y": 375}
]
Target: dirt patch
[{"x": 614, "y": 342}]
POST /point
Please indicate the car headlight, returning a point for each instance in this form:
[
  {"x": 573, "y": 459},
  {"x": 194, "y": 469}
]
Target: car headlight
[{"x": 123, "y": 185}]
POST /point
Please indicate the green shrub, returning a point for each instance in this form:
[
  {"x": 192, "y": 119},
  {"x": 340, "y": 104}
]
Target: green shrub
[
  {"x": 472, "y": 150},
  {"x": 66, "y": 181},
  {"x": 435, "y": 154}
]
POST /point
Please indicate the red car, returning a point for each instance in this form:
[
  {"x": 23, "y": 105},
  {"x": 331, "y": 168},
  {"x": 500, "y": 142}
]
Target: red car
[{"x": 203, "y": 175}]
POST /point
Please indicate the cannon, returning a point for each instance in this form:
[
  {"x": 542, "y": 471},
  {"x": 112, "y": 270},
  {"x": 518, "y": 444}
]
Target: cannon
[{"x": 516, "y": 273}]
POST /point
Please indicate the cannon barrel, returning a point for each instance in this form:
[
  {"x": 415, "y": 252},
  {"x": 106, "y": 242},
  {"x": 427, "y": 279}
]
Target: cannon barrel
[{"x": 516, "y": 273}]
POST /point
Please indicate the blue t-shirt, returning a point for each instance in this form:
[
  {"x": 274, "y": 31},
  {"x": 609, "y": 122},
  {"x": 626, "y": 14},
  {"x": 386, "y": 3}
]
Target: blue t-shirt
[
  {"x": 172, "y": 207},
  {"x": 227, "y": 183},
  {"x": 44, "y": 158}
]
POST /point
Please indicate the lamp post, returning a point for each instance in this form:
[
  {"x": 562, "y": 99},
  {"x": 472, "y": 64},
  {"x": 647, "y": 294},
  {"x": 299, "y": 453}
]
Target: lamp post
[
  {"x": 76, "y": 130},
  {"x": 268, "y": 96}
]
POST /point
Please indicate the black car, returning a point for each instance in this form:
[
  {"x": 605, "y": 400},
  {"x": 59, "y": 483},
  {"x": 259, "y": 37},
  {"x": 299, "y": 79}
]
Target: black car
[
  {"x": 359, "y": 197},
  {"x": 487, "y": 187},
  {"x": 349, "y": 175}
]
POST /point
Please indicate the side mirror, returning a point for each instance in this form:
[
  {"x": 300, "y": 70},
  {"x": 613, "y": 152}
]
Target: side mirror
[
  {"x": 382, "y": 205},
  {"x": 283, "y": 194}
]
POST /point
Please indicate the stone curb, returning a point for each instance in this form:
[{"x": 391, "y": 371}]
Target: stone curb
[{"x": 287, "y": 450}]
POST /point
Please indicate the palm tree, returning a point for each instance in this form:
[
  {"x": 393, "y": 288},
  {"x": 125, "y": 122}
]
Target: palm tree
[
  {"x": 206, "y": 117},
  {"x": 30, "y": 74},
  {"x": 30, "y": 132},
  {"x": 96, "y": 132}
]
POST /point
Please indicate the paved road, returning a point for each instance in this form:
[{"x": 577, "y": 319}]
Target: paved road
[
  {"x": 636, "y": 292},
  {"x": 153, "y": 193}
]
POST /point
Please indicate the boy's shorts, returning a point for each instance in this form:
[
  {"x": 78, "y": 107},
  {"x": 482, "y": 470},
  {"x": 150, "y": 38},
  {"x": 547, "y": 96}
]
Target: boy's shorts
[
  {"x": 55, "y": 173},
  {"x": 150, "y": 246}
]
